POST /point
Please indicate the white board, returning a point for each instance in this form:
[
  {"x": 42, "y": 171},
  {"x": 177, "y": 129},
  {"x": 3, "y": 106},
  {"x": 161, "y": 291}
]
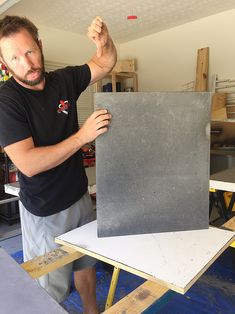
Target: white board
[
  {"x": 173, "y": 259},
  {"x": 223, "y": 180}
]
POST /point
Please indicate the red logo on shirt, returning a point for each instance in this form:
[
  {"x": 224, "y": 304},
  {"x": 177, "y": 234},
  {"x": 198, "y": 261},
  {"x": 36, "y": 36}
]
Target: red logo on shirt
[{"x": 63, "y": 106}]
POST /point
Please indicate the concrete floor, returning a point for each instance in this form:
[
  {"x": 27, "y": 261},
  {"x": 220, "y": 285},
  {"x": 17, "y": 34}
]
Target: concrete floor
[
  {"x": 10, "y": 237},
  {"x": 12, "y": 245}
]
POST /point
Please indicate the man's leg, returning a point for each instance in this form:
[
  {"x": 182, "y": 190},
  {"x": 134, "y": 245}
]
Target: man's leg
[
  {"x": 84, "y": 270},
  {"x": 85, "y": 283},
  {"x": 38, "y": 235}
]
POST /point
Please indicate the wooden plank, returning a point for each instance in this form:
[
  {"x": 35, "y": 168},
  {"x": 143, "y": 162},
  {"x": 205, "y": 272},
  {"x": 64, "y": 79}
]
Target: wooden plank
[
  {"x": 135, "y": 82},
  {"x": 98, "y": 87},
  {"x": 218, "y": 106},
  {"x": 220, "y": 114},
  {"x": 114, "y": 80},
  {"x": 139, "y": 299},
  {"x": 202, "y": 69},
  {"x": 218, "y": 101},
  {"x": 230, "y": 225},
  {"x": 51, "y": 261}
]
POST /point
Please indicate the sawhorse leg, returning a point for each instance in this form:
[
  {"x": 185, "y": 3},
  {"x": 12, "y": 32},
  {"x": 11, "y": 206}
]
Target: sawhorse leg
[
  {"x": 218, "y": 197},
  {"x": 230, "y": 206},
  {"x": 112, "y": 287}
]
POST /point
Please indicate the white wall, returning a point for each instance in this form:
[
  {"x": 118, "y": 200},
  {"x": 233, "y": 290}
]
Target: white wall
[
  {"x": 167, "y": 60},
  {"x": 65, "y": 47}
]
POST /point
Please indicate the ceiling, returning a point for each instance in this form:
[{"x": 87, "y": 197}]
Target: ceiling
[{"x": 153, "y": 15}]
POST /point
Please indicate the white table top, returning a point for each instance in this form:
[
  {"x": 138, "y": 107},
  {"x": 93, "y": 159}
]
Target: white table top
[
  {"x": 173, "y": 259},
  {"x": 223, "y": 180},
  {"x": 14, "y": 188}
]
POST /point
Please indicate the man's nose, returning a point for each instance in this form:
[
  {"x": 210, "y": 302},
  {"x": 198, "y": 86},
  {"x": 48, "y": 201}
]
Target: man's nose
[{"x": 27, "y": 63}]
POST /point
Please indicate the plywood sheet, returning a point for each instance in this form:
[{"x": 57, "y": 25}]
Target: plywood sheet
[
  {"x": 20, "y": 294},
  {"x": 173, "y": 259},
  {"x": 153, "y": 164}
]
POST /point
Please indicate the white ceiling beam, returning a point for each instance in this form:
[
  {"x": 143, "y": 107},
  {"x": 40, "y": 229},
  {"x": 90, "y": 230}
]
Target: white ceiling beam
[{"x": 6, "y": 4}]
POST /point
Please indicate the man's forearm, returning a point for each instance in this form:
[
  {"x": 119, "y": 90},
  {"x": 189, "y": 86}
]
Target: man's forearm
[
  {"x": 103, "y": 64},
  {"x": 31, "y": 160},
  {"x": 108, "y": 58}
]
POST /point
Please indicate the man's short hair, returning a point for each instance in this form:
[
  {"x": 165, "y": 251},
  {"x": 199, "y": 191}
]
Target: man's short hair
[{"x": 12, "y": 24}]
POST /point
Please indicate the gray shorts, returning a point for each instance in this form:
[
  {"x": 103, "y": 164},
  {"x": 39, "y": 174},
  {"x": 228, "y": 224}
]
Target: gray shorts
[{"x": 38, "y": 234}]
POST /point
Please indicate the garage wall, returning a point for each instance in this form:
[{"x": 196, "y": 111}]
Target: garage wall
[
  {"x": 167, "y": 60},
  {"x": 65, "y": 47}
]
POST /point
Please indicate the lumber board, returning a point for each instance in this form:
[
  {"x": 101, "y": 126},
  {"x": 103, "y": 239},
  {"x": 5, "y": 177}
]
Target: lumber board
[
  {"x": 218, "y": 101},
  {"x": 220, "y": 114},
  {"x": 51, "y": 261},
  {"x": 202, "y": 69},
  {"x": 230, "y": 225},
  {"x": 139, "y": 299}
]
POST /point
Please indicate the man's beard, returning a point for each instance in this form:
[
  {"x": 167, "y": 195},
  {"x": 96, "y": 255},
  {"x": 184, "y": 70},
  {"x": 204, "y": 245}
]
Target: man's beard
[{"x": 31, "y": 82}]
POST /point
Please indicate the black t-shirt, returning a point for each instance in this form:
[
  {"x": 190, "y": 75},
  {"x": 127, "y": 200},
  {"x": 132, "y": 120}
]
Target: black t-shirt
[{"x": 49, "y": 116}]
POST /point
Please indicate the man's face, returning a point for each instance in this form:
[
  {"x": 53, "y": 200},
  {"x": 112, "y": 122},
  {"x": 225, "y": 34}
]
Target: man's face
[{"x": 24, "y": 59}]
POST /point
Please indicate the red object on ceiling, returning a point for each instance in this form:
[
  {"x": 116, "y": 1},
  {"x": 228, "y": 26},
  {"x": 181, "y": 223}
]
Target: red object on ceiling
[{"x": 132, "y": 17}]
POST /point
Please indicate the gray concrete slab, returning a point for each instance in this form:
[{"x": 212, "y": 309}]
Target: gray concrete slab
[
  {"x": 153, "y": 164},
  {"x": 19, "y": 293}
]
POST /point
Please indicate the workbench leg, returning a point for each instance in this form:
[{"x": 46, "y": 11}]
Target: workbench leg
[
  {"x": 112, "y": 287},
  {"x": 230, "y": 206}
]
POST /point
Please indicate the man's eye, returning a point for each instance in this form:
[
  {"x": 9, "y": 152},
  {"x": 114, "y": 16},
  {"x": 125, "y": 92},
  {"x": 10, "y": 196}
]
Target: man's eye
[
  {"x": 13, "y": 58},
  {"x": 29, "y": 52}
]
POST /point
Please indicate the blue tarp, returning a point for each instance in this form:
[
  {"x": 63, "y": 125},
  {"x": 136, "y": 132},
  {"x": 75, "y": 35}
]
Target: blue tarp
[{"x": 214, "y": 292}]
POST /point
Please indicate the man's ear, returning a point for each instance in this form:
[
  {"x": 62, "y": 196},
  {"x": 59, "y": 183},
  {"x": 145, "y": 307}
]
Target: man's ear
[{"x": 2, "y": 61}]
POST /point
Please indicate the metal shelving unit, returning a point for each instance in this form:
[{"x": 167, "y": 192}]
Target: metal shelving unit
[{"x": 9, "y": 210}]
